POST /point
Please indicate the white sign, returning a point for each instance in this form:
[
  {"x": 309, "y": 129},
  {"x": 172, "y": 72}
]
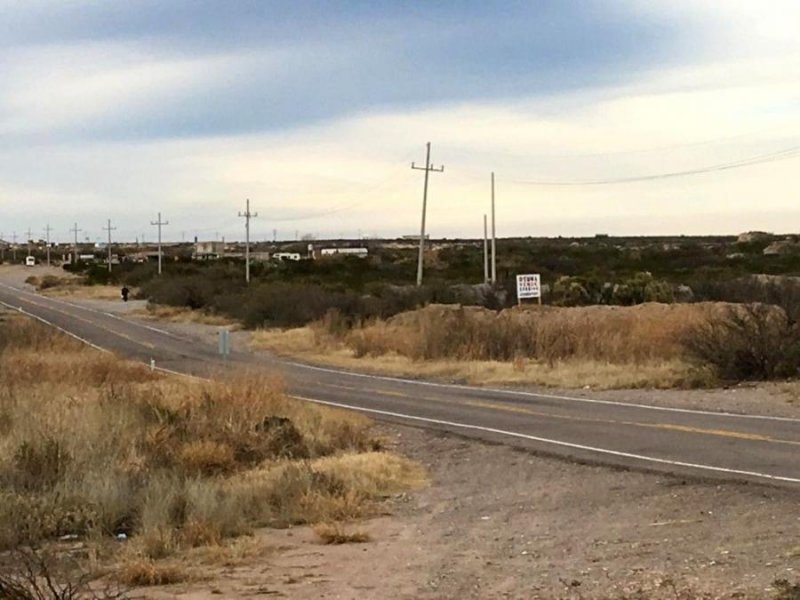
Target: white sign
[{"x": 529, "y": 286}]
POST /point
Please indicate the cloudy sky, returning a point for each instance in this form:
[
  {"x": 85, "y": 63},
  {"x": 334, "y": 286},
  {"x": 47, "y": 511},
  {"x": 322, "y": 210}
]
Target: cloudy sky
[{"x": 315, "y": 111}]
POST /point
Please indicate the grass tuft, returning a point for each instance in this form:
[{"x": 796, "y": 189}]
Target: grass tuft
[{"x": 336, "y": 533}]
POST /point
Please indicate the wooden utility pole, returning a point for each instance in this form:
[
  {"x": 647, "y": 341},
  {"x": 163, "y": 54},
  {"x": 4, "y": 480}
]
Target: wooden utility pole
[
  {"x": 247, "y": 216},
  {"x": 427, "y": 168},
  {"x": 47, "y": 231},
  {"x": 485, "y": 253},
  {"x": 109, "y": 229},
  {"x": 494, "y": 239},
  {"x": 75, "y": 231},
  {"x": 159, "y": 223}
]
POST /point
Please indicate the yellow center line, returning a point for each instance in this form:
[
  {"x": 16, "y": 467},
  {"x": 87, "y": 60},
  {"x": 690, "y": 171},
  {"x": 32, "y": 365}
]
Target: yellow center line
[{"x": 528, "y": 411}]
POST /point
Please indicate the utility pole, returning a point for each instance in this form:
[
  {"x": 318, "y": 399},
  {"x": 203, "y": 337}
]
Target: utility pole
[
  {"x": 247, "y": 216},
  {"x": 14, "y": 247},
  {"x": 159, "y": 223},
  {"x": 494, "y": 240},
  {"x": 75, "y": 230},
  {"x": 2, "y": 247},
  {"x": 427, "y": 168},
  {"x": 47, "y": 231},
  {"x": 485, "y": 252},
  {"x": 30, "y": 238},
  {"x": 109, "y": 229}
]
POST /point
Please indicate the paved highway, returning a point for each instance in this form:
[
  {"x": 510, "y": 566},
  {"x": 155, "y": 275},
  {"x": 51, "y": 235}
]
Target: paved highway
[{"x": 685, "y": 442}]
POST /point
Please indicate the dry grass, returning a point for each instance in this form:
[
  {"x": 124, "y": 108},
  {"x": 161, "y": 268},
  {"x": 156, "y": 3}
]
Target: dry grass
[
  {"x": 611, "y": 334},
  {"x": 600, "y": 347},
  {"x": 142, "y": 573},
  {"x": 182, "y": 314},
  {"x": 336, "y": 533},
  {"x": 76, "y": 289},
  {"x": 93, "y": 446}
]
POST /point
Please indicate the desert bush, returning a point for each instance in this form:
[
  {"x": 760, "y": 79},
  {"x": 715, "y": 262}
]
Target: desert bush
[
  {"x": 780, "y": 291},
  {"x": 746, "y": 342}
]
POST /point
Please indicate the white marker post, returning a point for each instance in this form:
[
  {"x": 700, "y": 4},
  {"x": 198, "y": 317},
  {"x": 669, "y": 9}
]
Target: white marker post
[
  {"x": 224, "y": 339},
  {"x": 529, "y": 286}
]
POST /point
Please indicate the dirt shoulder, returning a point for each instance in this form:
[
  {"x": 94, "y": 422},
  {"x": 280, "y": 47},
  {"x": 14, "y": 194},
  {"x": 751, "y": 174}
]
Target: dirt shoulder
[{"x": 502, "y": 523}]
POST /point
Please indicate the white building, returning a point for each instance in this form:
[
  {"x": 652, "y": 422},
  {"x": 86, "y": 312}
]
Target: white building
[{"x": 359, "y": 252}]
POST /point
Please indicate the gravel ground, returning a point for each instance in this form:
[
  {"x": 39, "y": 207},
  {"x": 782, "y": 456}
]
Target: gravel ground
[{"x": 497, "y": 522}]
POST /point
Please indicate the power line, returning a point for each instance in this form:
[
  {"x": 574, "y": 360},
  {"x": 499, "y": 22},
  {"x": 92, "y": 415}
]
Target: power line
[{"x": 786, "y": 154}]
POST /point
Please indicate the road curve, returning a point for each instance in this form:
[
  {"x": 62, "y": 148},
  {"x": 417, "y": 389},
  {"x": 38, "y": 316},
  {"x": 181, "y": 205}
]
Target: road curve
[{"x": 680, "y": 441}]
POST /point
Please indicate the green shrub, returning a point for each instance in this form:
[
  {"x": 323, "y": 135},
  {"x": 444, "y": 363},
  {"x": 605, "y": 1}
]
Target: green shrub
[{"x": 748, "y": 342}]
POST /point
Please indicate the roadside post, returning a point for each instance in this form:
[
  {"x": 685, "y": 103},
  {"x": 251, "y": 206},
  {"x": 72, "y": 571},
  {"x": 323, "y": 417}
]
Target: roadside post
[
  {"x": 529, "y": 286},
  {"x": 224, "y": 339}
]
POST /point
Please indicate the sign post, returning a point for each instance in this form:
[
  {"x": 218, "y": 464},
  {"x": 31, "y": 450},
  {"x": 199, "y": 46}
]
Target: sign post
[
  {"x": 224, "y": 339},
  {"x": 529, "y": 286}
]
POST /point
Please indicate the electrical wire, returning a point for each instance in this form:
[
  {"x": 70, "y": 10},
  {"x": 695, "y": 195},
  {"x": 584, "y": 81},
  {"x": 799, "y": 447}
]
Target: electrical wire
[{"x": 785, "y": 154}]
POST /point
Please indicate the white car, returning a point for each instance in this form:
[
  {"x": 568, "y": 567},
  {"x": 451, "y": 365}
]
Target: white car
[{"x": 30, "y": 261}]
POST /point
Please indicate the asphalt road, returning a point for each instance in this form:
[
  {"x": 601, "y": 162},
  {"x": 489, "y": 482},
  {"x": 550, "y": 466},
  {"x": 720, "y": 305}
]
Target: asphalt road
[{"x": 679, "y": 441}]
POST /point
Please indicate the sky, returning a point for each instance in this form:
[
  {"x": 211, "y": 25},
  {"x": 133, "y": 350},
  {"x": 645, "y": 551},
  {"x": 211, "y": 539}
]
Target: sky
[{"x": 315, "y": 111}]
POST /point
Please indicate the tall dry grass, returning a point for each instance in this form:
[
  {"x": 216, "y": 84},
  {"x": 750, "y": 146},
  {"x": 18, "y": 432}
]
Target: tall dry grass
[
  {"x": 94, "y": 446},
  {"x": 612, "y": 334}
]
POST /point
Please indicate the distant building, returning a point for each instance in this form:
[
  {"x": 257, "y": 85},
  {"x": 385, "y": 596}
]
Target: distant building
[
  {"x": 208, "y": 250},
  {"x": 359, "y": 252}
]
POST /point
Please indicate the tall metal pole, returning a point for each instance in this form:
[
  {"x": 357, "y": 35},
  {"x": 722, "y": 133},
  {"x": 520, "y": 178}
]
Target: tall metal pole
[
  {"x": 427, "y": 168},
  {"x": 14, "y": 247},
  {"x": 30, "y": 237},
  {"x": 47, "y": 231},
  {"x": 247, "y": 216},
  {"x": 494, "y": 239},
  {"x": 485, "y": 252},
  {"x": 159, "y": 223},
  {"x": 109, "y": 228}
]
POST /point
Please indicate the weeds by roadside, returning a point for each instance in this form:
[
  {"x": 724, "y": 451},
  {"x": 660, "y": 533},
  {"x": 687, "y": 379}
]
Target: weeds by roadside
[{"x": 93, "y": 448}]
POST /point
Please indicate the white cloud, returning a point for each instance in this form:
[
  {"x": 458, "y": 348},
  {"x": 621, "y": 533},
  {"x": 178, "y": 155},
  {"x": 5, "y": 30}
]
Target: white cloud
[{"x": 740, "y": 99}]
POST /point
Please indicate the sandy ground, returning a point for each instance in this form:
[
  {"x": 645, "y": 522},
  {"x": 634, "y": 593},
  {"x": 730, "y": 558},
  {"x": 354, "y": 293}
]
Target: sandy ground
[{"x": 497, "y": 522}]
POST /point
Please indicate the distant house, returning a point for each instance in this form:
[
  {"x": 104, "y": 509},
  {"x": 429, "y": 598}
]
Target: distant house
[
  {"x": 208, "y": 250},
  {"x": 359, "y": 252}
]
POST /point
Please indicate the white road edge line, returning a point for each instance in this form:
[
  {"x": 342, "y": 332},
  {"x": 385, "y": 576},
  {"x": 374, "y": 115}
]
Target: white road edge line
[
  {"x": 519, "y": 393},
  {"x": 534, "y": 438},
  {"x": 96, "y": 311},
  {"x": 22, "y": 311},
  {"x": 524, "y": 394},
  {"x": 514, "y": 434}
]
